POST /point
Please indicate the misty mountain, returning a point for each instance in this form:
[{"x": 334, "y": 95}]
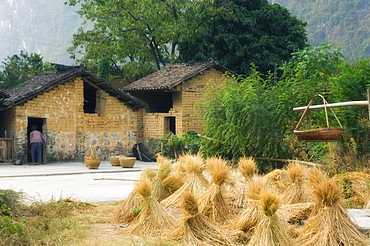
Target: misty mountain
[
  {"x": 344, "y": 23},
  {"x": 38, "y": 26}
]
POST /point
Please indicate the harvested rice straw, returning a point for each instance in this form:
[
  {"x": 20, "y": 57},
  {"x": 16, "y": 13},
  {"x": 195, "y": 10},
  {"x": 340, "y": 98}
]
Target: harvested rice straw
[
  {"x": 356, "y": 185},
  {"x": 277, "y": 180},
  {"x": 296, "y": 213},
  {"x": 252, "y": 214},
  {"x": 195, "y": 182},
  {"x": 212, "y": 203},
  {"x": 271, "y": 229},
  {"x": 295, "y": 192},
  {"x": 195, "y": 229},
  {"x": 331, "y": 225},
  {"x": 237, "y": 190},
  {"x": 163, "y": 171},
  {"x": 127, "y": 210},
  {"x": 247, "y": 167},
  {"x": 315, "y": 177},
  {"x": 153, "y": 219}
]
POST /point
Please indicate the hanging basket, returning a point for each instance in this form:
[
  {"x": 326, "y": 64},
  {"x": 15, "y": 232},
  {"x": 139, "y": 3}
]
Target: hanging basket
[{"x": 328, "y": 134}]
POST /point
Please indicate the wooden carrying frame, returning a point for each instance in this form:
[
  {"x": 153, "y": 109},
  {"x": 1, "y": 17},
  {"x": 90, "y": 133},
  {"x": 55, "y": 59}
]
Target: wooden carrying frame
[{"x": 321, "y": 134}]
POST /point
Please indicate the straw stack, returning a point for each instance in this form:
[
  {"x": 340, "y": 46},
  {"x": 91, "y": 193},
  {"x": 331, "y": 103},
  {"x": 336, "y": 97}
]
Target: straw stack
[
  {"x": 127, "y": 210},
  {"x": 195, "y": 181},
  {"x": 295, "y": 192},
  {"x": 195, "y": 229},
  {"x": 212, "y": 203},
  {"x": 160, "y": 190},
  {"x": 271, "y": 230},
  {"x": 252, "y": 214},
  {"x": 153, "y": 219},
  {"x": 330, "y": 225}
]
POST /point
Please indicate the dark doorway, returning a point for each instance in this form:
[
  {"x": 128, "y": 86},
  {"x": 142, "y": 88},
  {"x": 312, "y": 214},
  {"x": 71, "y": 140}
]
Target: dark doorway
[
  {"x": 170, "y": 124},
  {"x": 41, "y": 126}
]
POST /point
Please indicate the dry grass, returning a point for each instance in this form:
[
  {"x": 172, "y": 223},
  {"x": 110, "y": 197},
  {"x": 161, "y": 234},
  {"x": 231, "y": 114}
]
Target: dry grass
[
  {"x": 213, "y": 203},
  {"x": 330, "y": 225},
  {"x": 196, "y": 229},
  {"x": 271, "y": 229},
  {"x": 161, "y": 189},
  {"x": 251, "y": 215},
  {"x": 295, "y": 192},
  {"x": 247, "y": 167},
  {"x": 153, "y": 219},
  {"x": 195, "y": 181},
  {"x": 128, "y": 209}
]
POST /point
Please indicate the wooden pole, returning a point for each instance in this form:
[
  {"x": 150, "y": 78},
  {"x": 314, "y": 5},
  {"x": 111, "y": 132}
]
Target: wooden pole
[
  {"x": 335, "y": 105},
  {"x": 368, "y": 100}
]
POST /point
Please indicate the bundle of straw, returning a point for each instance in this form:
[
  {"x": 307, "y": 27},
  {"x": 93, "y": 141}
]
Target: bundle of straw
[
  {"x": 277, "y": 180},
  {"x": 237, "y": 190},
  {"x": 212, "y": 203},
  {"x": 356, "y": 185},
  {"x": 129, "y": 208},
  {"x": 252, "y": 214},
  {"x": 160, "y": 191},
  {"x": 296, "y": 213},
  {"x": 153, "y": 219},
  {"x": 195, "y": 181},
  {"x": 195, "y": 229},
  {"x": 295, "y": 192},
  {"x": 271, "y": 230},
  {"x": 331, "y": 225},
  {"x": 247, "y": 167}
]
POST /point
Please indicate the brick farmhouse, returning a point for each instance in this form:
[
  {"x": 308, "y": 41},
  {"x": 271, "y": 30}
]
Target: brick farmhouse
[{"x": 75, "y": 108}]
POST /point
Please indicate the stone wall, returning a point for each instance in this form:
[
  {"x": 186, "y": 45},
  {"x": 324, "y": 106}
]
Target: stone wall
[{"x": 69, "y": 131}]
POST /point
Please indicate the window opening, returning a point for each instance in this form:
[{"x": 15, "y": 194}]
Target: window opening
[{"x": 89, "y": 98}]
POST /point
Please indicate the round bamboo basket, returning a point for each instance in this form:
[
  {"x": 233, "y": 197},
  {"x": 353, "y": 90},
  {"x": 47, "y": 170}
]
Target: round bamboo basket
[
  {"x": 114, "y": 160},
  {"x": 319, "y": 135},
  {"x": 328, "y": 134},
  {"x": 127, "y": 161},
  {"x": 92, "y": 163}
]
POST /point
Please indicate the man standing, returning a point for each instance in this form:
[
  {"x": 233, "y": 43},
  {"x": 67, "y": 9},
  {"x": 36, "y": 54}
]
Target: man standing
[{"x": 37, "y": 140}]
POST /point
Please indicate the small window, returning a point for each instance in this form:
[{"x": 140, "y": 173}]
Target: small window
[
  {"x": 94, "y": 100},
  {"x": 89, "y": 98}
]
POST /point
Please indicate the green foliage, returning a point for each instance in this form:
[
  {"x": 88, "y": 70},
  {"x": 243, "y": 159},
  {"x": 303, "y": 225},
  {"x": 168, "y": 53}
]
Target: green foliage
[
  {"x": 246, "y": 32},
  {"x": 143, "y": 36},
  {"x": 253, "y": 116},
  {"x": 246, "y": 118},
  {"x": 104, "y": 68},
  {"x": 19, "y": 68},
  {"x": 172, "y": 146},
  {"x": 11, "y": 227}
]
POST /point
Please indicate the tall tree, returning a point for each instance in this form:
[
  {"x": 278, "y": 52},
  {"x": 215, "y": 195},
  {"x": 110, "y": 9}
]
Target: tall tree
[
  {"x": 140, "y": 35},
  {"x": 249, "y": 31},
  {"x": 18, "y": 68}
]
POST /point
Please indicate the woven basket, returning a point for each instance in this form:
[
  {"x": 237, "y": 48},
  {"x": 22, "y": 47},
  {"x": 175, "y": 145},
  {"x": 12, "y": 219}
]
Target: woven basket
[
  {"x": 319, "y": 135},
  {"x": 127, "y": 161},
  {"x": 328, "y": 134}
]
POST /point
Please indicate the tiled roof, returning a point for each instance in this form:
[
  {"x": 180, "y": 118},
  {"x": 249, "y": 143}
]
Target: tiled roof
[
  {"x": 3, "y": 95},
  {"x": 172, "y": 75},
  {"x": 50, "y": 79}
]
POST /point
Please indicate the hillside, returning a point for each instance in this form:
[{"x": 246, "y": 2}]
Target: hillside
[
  {"x": 37, "y": 26},
  {"x": 344, "y": 23}
]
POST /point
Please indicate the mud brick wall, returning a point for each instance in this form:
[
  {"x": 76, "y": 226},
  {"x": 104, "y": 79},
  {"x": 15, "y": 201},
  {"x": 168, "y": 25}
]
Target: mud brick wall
[
  {"x": 184, "y": 107},
  {"x": 69, "y": 131}
]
